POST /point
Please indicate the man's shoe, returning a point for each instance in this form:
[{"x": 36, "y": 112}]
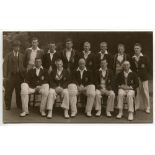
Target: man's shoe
[
  {"x": 66, "y": 113},
  {"x": 119, "y": 115},
  {"x": 148, "y": 111},
  {"x": 43, "y": 114},
  {"x": 108, "y": 114},
  {"x": 23, "y": 114},
  {"x": 130, "y": 117},
  {"x": 88, "y": 114},
  {"x": 49, "y": 114},
  {"x": 98, "y": 114},
  {"x": 73, "y": 114}
]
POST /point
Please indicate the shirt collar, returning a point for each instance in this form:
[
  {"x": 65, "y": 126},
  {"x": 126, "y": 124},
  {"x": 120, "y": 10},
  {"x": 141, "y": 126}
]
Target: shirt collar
[
  {"x": 106, "y": 52},
  {"x": 102, "y": 69},
  {"x": 41, "y": 67},
  {"x": 140, "y": 55},
  {"x": 87, "y": 52},
  {"x": 128, "y": 71},
  {"x": 36, "y": 48},
  {"x": 50, "y": 52},
  {"x": 85, "y": 69}
]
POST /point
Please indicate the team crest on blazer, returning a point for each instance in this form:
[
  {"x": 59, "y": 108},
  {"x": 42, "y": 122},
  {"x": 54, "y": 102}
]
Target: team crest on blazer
[
  {"x": 86, "y": 79},
  {"x": 131, "y": 81}
]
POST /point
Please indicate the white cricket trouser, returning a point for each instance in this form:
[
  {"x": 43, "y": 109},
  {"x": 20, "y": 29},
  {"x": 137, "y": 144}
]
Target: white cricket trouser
[
  {"x": 142, "y": 96},
  {"x": 110, "y": 100},
  {"x": 89, "y": 91},
  {"x": 130, "y": 94},
  {"x": 26, "y": 90},
  {"x": 52, "y": 96}
]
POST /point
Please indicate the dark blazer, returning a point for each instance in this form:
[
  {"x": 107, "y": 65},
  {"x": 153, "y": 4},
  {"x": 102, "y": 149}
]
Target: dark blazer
[
  {"x": 90, "y": 61},
  {"x": 47, "y": 62},
  {"x": 126, "y": 58},
  {"x": 9, "y": 65},
  {"x": 33, "y": 80},
  {"x": 98, "y": 59},
  {"x": 86, "y": 79},
  {"x": 142, "y": 69},
  {"x": 28, "y": 53},
  {"x": 72, "y": 63},
  {"x": 109, "y": 79},
  {"x": 63, "y": 81},
  {"x": 132, "y": 80}
]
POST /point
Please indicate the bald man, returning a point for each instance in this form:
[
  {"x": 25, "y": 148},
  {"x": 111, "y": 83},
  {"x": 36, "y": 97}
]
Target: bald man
[
  {"x": 81, "y": 83},
  {"x": 127, "y": 82}
]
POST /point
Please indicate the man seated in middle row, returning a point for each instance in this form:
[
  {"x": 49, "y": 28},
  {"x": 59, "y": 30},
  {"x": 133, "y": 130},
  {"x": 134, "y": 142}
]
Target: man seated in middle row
[
  {"x": 81, "y": 83},
  {"x": 104, "y": 82}
]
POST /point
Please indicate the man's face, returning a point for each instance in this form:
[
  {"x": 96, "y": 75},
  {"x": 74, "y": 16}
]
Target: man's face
[
  {"x": 38, "y": 63},
  {"x": 82, "y": 64},
  {"x": 52, "y": 47},
  {"x": 126, "y": 66},
  {"x": 59, "y": 64},
  {"x": 121, "y": 49},
  {"x": 16, "y": 48},
  {"x": 104, "y": 64},
  {"x": 86, "y": 47},
  {"x": 35, "y": 43},
  {"x": 137, "y": 50},
  {"x": 69, "y": 45},
  {"x": 103, "y": 46}
]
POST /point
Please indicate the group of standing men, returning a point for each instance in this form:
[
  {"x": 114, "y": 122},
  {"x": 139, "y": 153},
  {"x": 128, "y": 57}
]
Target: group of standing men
[{"x": 69, "y": 73}]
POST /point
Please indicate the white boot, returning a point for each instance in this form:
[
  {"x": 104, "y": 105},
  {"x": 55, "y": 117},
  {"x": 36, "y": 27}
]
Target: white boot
[
  {"x": 147, "y": 110},
  {"x": 73, "y": 114},
  {"x": 23, "y": 114},
  {"x": 43, "y": 114},
  {"x": 130, "y": 117},
  {"x": 88, "y": 114},
  {"x": 49, "y": 114},
  {"x": 98, "y": 113},
  {"x": 66, "y": 113},
  {"x": 108, "y": 114},
  {"x": 120, "y": 114}
]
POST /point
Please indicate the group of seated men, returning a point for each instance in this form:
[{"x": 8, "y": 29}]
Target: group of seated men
[{"x": 70, "y": 73}]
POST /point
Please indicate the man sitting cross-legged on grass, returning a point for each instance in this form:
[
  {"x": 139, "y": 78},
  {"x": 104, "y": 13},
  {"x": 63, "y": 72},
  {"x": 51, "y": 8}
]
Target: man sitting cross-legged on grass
[{"x": 36, "y": 81}]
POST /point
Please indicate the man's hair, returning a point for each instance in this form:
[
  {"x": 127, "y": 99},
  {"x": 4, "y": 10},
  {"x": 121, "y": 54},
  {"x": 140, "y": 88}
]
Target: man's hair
[
  {"x": 16, "y": 43},
  {"x": 121, "y": 44},
  {"x": 104, "y": 43},
  {"x": 126, "y": 62},
  {"x": 81, "y": 59},
  {"x": 38, "y": 58},
  {"x": 104, "y": 59},
  {"x": 58, "y": 59},
  {"x": 138, "y": 44},
  {"x": 69, "y": 40},
  {"x": 52, "y": 42},
  {"x": 35, "y": 38}
]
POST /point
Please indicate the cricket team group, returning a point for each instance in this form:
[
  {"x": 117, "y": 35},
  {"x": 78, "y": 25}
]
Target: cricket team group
[{"x": 69, "y": 73}]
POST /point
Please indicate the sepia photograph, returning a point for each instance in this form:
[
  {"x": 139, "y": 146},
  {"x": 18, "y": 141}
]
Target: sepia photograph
[{"x": 78, "y": 77}]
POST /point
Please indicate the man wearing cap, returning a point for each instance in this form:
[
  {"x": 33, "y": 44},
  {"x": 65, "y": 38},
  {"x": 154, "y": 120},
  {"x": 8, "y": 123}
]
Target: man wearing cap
[
  {"x": 81, "y": 83},
  {"x": 140, "y": 66},
  {"x": 50, "y": 57},
  {"x": 127, "y": 82},
  {"x": 104, "y": 83},
  {"x": 69, "y": 56},
  {"x": 103, "y": 54},
  {"x": 36, "y": 81},
  {"x": 88, "y": 55},
  {"x": 59, "y": 79},
  {"x": 32, "y": 53},
  {"x": 14, "y": 71}
]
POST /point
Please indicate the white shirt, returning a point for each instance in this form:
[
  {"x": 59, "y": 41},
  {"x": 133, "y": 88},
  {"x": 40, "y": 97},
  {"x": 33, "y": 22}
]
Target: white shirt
[
  {"x": 38, "y": 70},
  {"x": 81, "y": 71},
  {"x": 15, "y": 53},
  {"x": 102, "y": 54},
  {"x": 51, "y": 54},
  {"x": 120, "y": 57},
  {"x": 137, "y": 57},
  {"x": 127, "y": 73},
  {"x": 103, "y": 72},
  {"x": 33, "y": 55},
  {"x": 68, "y": 54},
  {"x": 86, "y": 54}
]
